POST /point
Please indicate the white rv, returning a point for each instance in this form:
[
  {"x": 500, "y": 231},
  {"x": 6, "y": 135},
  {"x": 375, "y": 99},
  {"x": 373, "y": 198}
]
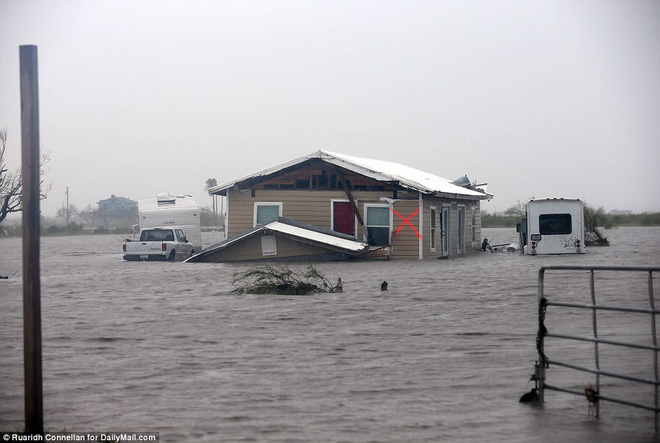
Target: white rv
[
  {"x": 553, "y": 226},
  {"x": 169, "y": 210}
]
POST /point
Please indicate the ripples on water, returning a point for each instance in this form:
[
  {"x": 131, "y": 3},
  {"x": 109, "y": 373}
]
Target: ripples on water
[{"x": 443, "y": 355}]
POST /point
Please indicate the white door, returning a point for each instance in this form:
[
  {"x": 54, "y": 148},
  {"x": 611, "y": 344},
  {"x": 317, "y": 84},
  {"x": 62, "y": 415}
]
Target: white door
[
  {"x": 460, "y": 247},
  {"x": 444, "y": 224}
]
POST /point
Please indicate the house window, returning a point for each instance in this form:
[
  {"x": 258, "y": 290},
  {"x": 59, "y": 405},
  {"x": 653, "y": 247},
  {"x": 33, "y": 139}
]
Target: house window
[
  {"x": 474, "y": 225},
  {"x": 265, "y": 213},
  {"x": 378, "y": 224},
  {"x": 433, "y": 227}
]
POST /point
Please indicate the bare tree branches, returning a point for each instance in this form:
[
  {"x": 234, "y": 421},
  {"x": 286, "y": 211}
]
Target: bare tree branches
[
  {"x": 282, "y": 280},
  {"x": 11, "y": 186}
]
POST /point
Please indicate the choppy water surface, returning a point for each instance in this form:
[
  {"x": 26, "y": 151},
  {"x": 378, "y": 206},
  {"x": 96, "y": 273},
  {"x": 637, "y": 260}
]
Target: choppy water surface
[{"x": 443, "y": 355}]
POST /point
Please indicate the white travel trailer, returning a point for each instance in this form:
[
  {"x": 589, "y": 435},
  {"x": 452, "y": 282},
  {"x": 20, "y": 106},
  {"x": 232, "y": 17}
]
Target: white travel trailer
[
  {"x": 169, "y": 210},
  {"x": 553, "y": 226}
]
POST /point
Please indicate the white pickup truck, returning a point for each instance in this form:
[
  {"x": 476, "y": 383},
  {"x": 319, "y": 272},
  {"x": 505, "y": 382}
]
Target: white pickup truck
[{"x": 159, "y": 244}]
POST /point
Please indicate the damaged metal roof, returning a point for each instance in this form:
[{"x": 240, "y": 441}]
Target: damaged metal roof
[{"x": 380, "y": 170}]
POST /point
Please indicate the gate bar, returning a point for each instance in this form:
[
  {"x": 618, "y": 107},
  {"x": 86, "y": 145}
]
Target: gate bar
[
  {"x": 602, "y": 397},
  {"x": 605, "y": 373},
  {"x": 606, "y": 342}
]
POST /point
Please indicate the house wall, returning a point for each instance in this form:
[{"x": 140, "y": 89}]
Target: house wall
[
  {"x": 405, "y": 243},
  {"x": 314, "y": 207},
  {"x": 439, "y": 203}
]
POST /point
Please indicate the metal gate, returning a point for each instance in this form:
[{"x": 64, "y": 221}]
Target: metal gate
[{"x": 595, "y": 394}]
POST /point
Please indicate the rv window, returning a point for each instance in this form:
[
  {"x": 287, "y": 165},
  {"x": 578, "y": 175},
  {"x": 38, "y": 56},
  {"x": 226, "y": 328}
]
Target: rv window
[{"x": 555, "y": 224}]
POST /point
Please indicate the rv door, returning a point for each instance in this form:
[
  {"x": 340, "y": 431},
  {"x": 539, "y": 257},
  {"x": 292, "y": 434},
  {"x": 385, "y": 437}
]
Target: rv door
[{"x": 522, "y": 229}]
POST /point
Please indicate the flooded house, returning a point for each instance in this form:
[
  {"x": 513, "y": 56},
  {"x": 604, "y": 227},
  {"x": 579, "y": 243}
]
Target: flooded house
[{"x": 384, "y": 208}]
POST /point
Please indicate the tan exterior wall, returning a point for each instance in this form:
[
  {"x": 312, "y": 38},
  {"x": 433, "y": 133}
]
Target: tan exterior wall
[
  {"x": 468, "y": 245},
  {"x": 314, "y": 207},
  {"x": 405, "y": 243}
]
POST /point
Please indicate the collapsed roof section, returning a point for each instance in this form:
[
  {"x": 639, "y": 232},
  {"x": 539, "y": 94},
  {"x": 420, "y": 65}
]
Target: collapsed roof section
[{"x": 326, "y": 244}]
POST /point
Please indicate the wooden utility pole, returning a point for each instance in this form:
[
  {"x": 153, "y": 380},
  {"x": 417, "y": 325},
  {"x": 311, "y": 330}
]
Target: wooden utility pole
[{"x": 31, "y": 172}]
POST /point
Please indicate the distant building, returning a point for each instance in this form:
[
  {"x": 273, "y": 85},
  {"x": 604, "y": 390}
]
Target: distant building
[{"x": 117, "y": 211}]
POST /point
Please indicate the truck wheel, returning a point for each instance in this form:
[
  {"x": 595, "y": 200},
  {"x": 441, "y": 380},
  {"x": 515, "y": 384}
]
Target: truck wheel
[{"x": 172, "y": 255}]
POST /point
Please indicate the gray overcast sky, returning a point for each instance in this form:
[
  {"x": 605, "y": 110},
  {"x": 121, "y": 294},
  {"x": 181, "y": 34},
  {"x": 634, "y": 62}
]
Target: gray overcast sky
[{"x": 537, "y": 98}]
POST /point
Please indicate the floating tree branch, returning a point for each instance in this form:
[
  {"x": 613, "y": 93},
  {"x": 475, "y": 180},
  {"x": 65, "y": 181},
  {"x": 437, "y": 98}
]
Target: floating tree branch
[{"x": 282, "y": 280}]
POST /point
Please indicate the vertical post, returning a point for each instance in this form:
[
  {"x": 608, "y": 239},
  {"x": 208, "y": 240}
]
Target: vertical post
[
  {"x": 594, "y": 316},
  {"x": 540, "y": 374},
  {"x": 31, "y": 169},
  {"x": 420, "y": 241},
  {"x": 655, "y": 345}
]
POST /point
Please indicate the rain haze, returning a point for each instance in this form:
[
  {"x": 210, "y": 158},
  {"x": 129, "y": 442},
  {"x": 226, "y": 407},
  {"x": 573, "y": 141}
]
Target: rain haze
[{"x": 535, "y": 98}]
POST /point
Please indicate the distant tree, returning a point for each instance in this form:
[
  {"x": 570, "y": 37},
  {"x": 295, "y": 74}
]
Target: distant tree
[
  {"x": 594, "y": 219},
  {"x": 518, "y": 210},
  {"x": 88, "y": 215},
  {"x": 11, "y": 185},
  {"x": 73, "y": 212},
  {"x": 211, "y": 182}
]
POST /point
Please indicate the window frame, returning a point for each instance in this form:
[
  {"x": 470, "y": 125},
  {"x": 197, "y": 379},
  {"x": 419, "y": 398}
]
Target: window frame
[
  {"x": 367, "y": 226},
  {"x": 257, "y": 205}
]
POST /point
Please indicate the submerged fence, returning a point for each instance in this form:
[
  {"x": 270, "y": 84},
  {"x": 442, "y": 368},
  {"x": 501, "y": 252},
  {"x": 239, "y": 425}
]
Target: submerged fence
[{"x": 595, "y": 393}]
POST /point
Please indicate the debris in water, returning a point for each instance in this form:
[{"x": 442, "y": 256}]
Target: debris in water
[
  {"x": 530, "y": 397},
  {"x": 282, "y": 280},
  {"x": 592, "y": 397}
]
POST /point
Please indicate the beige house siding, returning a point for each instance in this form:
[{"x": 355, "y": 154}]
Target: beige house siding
[
  {"x": 476, "y": 243},
  {"x": 315, "y": 207},
  {"x": 438, "y": 203},
  {"x": 405, "y": 243}
]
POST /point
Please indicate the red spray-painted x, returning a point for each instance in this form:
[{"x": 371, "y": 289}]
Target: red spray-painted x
[{"x": 407, "y": 221}]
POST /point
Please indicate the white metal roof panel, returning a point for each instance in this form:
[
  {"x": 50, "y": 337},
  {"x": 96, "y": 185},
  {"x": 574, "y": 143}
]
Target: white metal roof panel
[
  {"x": 317, "y": 237},
  {"x": 380, "y": 170}
]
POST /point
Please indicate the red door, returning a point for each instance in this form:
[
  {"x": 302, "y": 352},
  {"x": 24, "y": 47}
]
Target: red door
[{"x": 343, "y": 218}]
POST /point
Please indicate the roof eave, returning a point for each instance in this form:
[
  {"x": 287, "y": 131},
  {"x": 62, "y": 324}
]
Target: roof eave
[
  {"x": 268, "y": 171},
  {"x": 453, "y": 195}
]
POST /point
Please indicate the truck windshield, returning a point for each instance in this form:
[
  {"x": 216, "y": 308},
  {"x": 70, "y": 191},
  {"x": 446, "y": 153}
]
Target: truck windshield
[
  {"x": 156, "y": 235},
  {"x": 555, "y": 224}
]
